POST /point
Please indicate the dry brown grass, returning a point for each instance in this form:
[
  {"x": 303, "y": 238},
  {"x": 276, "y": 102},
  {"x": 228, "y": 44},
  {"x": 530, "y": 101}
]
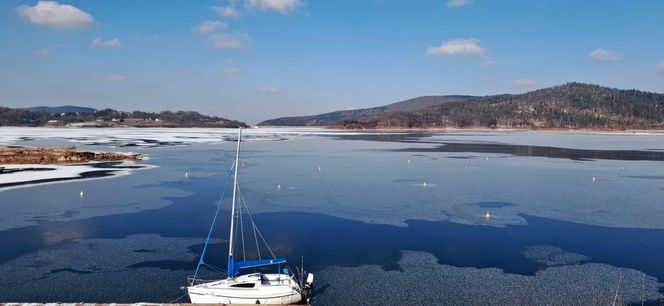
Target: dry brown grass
[{"x": 59, "y": 156}]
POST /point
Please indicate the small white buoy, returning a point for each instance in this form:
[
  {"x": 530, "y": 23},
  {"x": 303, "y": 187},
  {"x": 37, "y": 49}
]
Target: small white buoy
[
  {"x": 424, "y": 184},
  {"x": 486, "y": 158},
  {"x": 409, "y": 161},
  {"x": 186, "y": 174},
  {"x": 594, "y": 178},
  {"x": 465, "y": 167},
  {"x": 278, "y": 186},
  {"x": 487, "y": 215},
  {"x": 319, "y": 169},
  {"x": 81, "y": 194}
]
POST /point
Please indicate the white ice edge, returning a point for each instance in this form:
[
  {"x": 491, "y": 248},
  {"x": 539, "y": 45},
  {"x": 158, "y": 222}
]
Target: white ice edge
[
  {"x": 153, "y": 137},
  {"x": 111, "y": 136},
  {"x": 59, "y": 172}
]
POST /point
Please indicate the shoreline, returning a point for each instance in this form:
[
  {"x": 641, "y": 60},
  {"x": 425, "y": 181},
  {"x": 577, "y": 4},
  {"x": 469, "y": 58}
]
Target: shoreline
[
  {"x": 485, "y": 129},
  {"x": 388, "y": 130},
  {"x": 59, "y": 156}
]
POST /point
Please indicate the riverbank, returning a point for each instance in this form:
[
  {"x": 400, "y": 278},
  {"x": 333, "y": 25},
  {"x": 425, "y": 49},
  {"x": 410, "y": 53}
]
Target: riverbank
[{"x": 43, "y": 156}]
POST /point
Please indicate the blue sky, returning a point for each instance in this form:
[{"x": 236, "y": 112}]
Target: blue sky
[{"x": 258, "y": 59}]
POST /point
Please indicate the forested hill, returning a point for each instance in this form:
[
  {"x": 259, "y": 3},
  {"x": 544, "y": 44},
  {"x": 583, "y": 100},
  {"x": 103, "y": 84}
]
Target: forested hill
[
  {"x": 61, "y": 109},
  {"x": 365, "y": 113},
  {"x": 49, "y": 116},
  {"x": 572, "y": 105}
]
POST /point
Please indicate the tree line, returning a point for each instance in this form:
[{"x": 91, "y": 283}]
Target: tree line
[
  {"x": 23, "y": 117},
  {"x": 573, "y": 105}
]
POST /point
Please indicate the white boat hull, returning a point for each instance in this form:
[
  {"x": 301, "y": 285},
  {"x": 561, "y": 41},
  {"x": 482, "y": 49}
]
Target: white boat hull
[
  {"x": 267, "y": 289},
  {"x": 212, "y": 298}
]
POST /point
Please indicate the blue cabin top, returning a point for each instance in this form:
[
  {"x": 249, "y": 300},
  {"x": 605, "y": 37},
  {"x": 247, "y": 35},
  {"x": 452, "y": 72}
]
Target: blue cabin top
[{"x": 235, "y": 266}]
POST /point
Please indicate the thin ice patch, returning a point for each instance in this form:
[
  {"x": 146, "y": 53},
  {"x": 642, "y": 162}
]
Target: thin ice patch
[
  {"x": 552, "y": 256},
  {"x": 425, "y": 282}
]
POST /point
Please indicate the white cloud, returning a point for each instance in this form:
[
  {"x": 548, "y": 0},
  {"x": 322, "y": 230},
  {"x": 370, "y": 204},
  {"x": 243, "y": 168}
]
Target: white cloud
[
  {"x": 226, "y": 11},
  {"x": 233, "y": 70},
  {"x": 41, "y": 53},
  {"x": 109, "y": 44},
  {"x": 661, "y": 67},
  {"x": 269, "y": 90},
  {"x": 524, "y": 83},
  {"x": 458, "y": 3},
  {"x": 115, "y": 78},
  {"x": 209, "y": 26},
  {"x": 218, "y": 39},
  {"x": 459, "y": 47},
  {"x": 54, "y": 14},
  {"x": 603, "y": 55},
  {"x": 280, "y": 6},
  {"x": 228, "y": 41}
]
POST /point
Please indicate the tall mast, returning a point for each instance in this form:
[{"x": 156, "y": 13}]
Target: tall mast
[{"x": 231, "y": 261}]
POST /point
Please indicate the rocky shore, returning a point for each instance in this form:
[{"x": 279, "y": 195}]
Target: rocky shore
[{"x": 60, "y": 156}]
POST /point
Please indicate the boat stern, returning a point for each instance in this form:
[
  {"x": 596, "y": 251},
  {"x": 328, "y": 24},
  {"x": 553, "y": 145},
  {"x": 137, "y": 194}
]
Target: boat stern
[{"x": 308, "y": 287}]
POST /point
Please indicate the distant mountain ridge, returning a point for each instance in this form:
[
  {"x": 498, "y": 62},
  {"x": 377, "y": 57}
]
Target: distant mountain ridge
[
  {"x": 62, "y": 109},
  {"x": 572, "y": 105},
  {"x": 332, "y": 118}
]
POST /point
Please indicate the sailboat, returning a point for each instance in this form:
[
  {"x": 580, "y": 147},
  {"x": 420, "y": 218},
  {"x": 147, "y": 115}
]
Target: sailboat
[{"x": 278, "y": 287}]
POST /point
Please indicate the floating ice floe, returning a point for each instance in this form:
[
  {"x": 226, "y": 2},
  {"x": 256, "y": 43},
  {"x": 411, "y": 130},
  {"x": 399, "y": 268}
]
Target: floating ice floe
[
  {"x": 100, "y": 270},
  {"x": 156, "y": 137},
  {"x": 26, "y": 175},
  {"x": 553, "y": 256},
  {"x": 381, "y": 188},
  {"x": 570, "y": 139},
  {"x": 430, "y": 283}
]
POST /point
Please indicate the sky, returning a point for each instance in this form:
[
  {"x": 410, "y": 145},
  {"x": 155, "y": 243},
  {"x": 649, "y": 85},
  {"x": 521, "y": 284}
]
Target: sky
[{"x": 253, "y": 60}]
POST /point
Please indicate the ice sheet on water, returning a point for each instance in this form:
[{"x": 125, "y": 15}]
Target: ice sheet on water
[
  {"x": 570, "y": 139},
  {"x": 85, "y": 256},
  {"x": 154, "y": 137},
  {"x": 360, "y": 183},
  {"x": 123, "y": 286},
  {"x": 435, "y": 284},
  {"x": 553, "y": 256},
  {"x": 62, "y": 202},
  {"x": 96, "y": 270},
  {"x": 31, "y": 175}
]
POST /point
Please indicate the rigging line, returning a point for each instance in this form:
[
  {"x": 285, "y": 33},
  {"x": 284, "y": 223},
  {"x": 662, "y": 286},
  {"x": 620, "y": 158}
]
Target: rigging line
[
  {"x": 215, "y": 269},
  {"x": 214, "y": 220},
  {"x": 244, "y": 256},
  {"x": 253, "y": 225},
  {"x": 235, "y": 234},
  {"x": 173, "y": 301},
  {"x": 267, "y": 245},
  {"x": 256, "y": 227},
  {"x": 258, "y": 248}
]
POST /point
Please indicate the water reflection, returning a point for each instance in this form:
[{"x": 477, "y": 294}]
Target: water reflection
[{"x": 537, "y": 151}]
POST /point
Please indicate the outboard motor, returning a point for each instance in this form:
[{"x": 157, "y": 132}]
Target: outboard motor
[{"x": 308, "y": 287}]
